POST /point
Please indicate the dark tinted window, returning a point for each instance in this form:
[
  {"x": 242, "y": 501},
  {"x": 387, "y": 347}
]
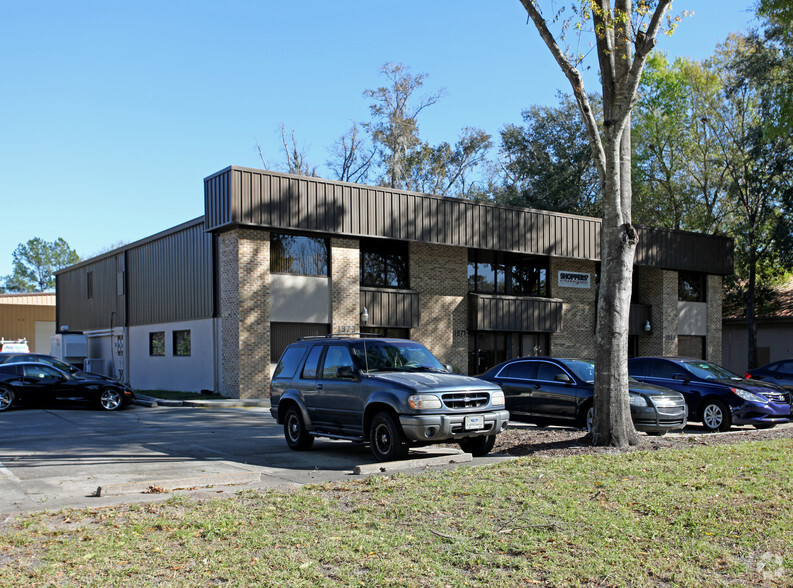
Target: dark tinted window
[
  {"x": 312, "y": 363},
  {"x": 502, "y": 273},
  {"x": 290, "y": 361},
  {"x": 523, "y": 370},
  {"x": 638, "y": 367},
  {"x": 336, "y": 357},
  {"x": 664, "y": 369},
  {"x": 547, "y": 372},
  {"x": 293, "y": 254},
  {"x": 691, "y": 287},
  {"x": 9, "y": 368},
  {"x": 40, "y": 371},
  {"x": 785, "y": 367},
  {"x": 384, "y": 264}
]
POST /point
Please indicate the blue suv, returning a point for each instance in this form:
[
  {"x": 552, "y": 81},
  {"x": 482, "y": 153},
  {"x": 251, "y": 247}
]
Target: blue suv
[{"x": 715, "y": 396}]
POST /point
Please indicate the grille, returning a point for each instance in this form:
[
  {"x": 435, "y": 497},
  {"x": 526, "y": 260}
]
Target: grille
[
  {"x": 466, "y": 399},
  {"x": 778, "y": 396}
]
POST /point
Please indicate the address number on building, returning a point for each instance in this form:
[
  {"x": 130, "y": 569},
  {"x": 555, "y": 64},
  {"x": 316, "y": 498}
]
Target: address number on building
[{"x": 474, "y": 422}]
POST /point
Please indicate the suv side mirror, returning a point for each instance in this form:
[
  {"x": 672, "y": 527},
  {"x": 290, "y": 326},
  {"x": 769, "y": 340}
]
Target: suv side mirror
[{"x": 345, "y": 372}]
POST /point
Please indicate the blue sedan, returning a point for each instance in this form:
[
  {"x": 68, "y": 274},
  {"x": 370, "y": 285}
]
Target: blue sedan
[{"x": 715, "y": 396}]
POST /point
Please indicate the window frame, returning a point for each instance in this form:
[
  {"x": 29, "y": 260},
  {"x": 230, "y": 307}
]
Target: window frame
[
  {"x": 152, "y": 334},
  {"x": 388, "y": 251},
  {"x": 177, "y": 352},
  {"x": 277, "y": 264}
]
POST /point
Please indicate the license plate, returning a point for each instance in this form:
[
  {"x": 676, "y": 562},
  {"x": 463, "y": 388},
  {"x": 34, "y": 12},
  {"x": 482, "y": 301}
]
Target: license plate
[{"x": 475, "y": 422}]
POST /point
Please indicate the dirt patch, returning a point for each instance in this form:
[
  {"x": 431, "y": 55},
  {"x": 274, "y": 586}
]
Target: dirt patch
[{"x": 558, "y": 442}]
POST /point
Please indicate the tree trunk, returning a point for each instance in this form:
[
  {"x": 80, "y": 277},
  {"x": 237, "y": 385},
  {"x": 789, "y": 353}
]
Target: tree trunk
[{"x": 751, "y": 318}]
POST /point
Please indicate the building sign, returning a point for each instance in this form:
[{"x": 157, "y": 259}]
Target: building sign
[{"x": 573, "y": 280}]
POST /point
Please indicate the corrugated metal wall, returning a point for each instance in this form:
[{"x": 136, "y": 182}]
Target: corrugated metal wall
[
  {"x": 261, "y": 198},
  {"x": 166, "y": 277},
  {"x": 170, "y": 278},
  {"x": 391, "y": 308},
  {"x": 512, "y": 313},
  {"x": 106, "y": 306}
]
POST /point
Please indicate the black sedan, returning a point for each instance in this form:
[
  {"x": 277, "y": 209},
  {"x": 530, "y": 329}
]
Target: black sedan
[
  {"x": 777, "y": 372},
  {"x": 39, "y": 384},
  {"x": 18, "y": 357},
  {"x": 546, "y": 390}
]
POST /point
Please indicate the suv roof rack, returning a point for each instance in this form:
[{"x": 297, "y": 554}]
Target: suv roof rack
[{"x": 340, "y": 336}]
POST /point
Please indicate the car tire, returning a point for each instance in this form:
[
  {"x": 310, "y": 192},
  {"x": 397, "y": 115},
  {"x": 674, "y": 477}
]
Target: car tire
[
  {"x": 6, "y": 398},
  {"x": 478, "y": 446},
  {"x": 716, "y": 416},
  {"x": 295, "y": 432},
  {"x": 110, "y": 399},
  {"x": 657, "y": 433},
  {"x": 587, "y": 418},
  {"x": 388, "y": 442}
]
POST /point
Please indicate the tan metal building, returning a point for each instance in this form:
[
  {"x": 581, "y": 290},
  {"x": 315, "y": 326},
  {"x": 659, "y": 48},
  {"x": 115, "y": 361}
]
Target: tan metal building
[
  {"x": 211, "y": 303},
  {"x": 29, "y": 316}
]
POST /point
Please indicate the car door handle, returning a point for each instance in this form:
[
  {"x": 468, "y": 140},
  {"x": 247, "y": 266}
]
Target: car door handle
[{"x": 319, "y": 386}]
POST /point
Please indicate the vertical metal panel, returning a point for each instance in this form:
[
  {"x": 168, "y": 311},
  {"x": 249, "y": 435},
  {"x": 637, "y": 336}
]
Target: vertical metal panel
[
  {"x": 105, "y": 308},
  {"x": 391, "y": 308},
  {"x": 511, "y": 313}
]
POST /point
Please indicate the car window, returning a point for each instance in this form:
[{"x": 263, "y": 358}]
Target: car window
[
  {"x": 336, "y": 357},
  {"x": 289, "y": 362},
  {"x": 663, "y": 369},
  {"x": 638, "y": 367},
  {"x": 521, "y": 370},
  {"x": 312, "y": 363},
  {"x": 709, "y": 371},
  {"x": 9, "y": 368},
  {"x": 585, "y": 370},
  {"x": 40, "y": 371},
  {"x": 785, "y": 367},
  {"x": 394, "y": 355},
  {"x": 547, "y": 372}
]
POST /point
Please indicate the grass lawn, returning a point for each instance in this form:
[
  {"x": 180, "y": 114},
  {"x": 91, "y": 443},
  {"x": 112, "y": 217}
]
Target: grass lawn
[{"x": 715, "y": 515}]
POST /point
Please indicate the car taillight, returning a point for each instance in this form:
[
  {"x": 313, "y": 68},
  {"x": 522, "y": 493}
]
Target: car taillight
[{"x": 747, "y": 375}]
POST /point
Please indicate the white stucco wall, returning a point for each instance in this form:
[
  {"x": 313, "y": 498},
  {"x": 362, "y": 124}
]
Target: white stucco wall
[
  {"x": 299, "y": 299},
  {"x": 188, "y": 374}
]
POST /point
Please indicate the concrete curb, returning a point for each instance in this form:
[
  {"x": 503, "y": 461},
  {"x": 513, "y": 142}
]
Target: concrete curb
[
  {"x": 156, "y": 486},
  {"x": 410, "y": 464},
  {"x": 151, "y": 402}
]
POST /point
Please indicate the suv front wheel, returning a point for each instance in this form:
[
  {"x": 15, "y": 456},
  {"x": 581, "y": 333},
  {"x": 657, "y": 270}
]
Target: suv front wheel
[
  {"x": 478, "y": 446},
  {"x": 297, "y": 436},
  {"x": 387, "y": 440}
]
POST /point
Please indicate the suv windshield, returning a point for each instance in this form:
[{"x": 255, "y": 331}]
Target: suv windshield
[
  {"x": 394, "y": 356},
  {"x": 709, "y": 371}
]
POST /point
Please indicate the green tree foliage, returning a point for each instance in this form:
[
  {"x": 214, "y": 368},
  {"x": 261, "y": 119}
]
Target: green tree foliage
[
  {"x": 547, "y": 163},
  {"x": 36, "y": 262},
  {"x": 778, "y": 34}
]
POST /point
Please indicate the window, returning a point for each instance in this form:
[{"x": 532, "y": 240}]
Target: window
[
  {"x": 522, "y": 370},
  {"x": 487, "y": 349},
  {"x": 89, "y": 285},
  {"x": 289, "y": 363},
  {"x": 690, "y": 287},
  {"x": 337, "y": 357},
  {"x": 384, "y": 264},
  {"x": 691, "y": 346},
  {"x": 312, "y": 363},
  {"x": 492, "y": 272},
  {"x": 548, "y": 372},
  {"x": 157, "y": 344},
  {"x": 293, "y": 254},
  {"x": 181, "y": 343}
]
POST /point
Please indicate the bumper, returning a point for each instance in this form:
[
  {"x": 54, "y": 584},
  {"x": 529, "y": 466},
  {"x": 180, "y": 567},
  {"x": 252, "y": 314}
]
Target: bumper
[
  {"x": 651, "y": 420},
  {"x": 439, "y": 427},
  {"x": 751, "y": 413}
]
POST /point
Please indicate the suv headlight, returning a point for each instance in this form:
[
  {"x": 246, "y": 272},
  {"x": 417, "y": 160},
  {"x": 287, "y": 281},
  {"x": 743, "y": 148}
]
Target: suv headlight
[
  {"x": 746, "y": 395},
  {"x": 638, "y": 400},
  {"x": 497, "y": 398},
  {"x": 424, "y": 401}
]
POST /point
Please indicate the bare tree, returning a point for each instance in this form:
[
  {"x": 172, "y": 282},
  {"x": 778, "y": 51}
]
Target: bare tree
[
  {"x": 352, "y": 158},
  {"x": 294, "y": 156},
  {"x": 623, "y": 40}
]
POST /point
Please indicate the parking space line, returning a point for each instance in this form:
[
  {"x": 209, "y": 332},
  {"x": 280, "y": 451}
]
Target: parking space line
[{"x": 6, "y": 473}]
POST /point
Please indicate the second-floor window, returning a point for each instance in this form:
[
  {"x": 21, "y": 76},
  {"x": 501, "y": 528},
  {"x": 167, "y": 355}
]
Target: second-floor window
[
  {"x": 492, "y": 272},
  {"x": 384, "y": 264},
  {"x": 295, "y": 254}
]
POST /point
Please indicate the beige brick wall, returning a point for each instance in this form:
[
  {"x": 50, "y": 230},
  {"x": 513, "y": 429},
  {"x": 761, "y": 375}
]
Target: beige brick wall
[
  {"x": 440, "y": 275},
  {"x": 577, "y": 335},
  {"x": 713, "y": 341},
  {"x": 658, "y": 288},
  {"x": 245, "y": 312},
  {"x": 345, "y": 263}
]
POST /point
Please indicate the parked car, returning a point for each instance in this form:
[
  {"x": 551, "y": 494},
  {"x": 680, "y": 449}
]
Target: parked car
[
  {"x": 39, "y": 384},
  {"x": 545, "y": 390},
  {"x": 49, "y": 360},
  {"x": 391, "y": 393},
  {"x": 777, "y": 372},
  {"x": 715, "y": 396}
]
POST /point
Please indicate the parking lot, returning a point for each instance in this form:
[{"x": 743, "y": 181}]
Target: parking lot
[{"x": 56, "y": 458}]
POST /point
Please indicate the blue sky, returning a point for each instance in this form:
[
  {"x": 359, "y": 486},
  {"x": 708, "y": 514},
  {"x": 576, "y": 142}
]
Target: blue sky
[{"x": 112, "y": 113}]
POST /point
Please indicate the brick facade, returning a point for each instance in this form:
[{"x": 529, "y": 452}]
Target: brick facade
[
  {"x": 440, "y": 274},
  {"x": 245, "y": 312},
  {"x": 713, "y": 342},
  {"x": 345, "y": 272},
  {"x": 658, "y": 288},
  {"x": 577, "y": 335}
]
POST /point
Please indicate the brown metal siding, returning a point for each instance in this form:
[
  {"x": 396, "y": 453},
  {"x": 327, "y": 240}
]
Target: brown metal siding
[
  {"x": 105, "y": 309},
  {"x": 512, "y": 313},
  {"x": 170, "y": 278},
  {"x": 391, "y": 308},
  {"x": 241, "y": 196}
]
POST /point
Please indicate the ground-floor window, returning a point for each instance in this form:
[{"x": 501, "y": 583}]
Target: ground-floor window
[
  {"x": 157, "y": 344},
  {"x": 487, "y": 349},
  {"x": 691, "y": 346},
  {"x": 282, "y": 334},
  {"x": 181, "y": 343}
]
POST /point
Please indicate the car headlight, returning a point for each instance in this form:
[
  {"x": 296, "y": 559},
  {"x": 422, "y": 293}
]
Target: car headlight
[
  {"x": 497, "y": 398},
  {"x": 424, "y": 401},
  {"x": 749, "y": 396},
  {"x": 638, "y": 400}
]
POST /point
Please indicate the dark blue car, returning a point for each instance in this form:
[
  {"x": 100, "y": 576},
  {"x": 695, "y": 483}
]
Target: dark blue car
[
  {"x": 777, "y": 372},
  {"x": 715, "y": 396}
]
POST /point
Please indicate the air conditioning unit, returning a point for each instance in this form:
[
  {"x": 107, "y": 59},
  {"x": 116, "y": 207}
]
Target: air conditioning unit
[{"x": 95, "y": 366}]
